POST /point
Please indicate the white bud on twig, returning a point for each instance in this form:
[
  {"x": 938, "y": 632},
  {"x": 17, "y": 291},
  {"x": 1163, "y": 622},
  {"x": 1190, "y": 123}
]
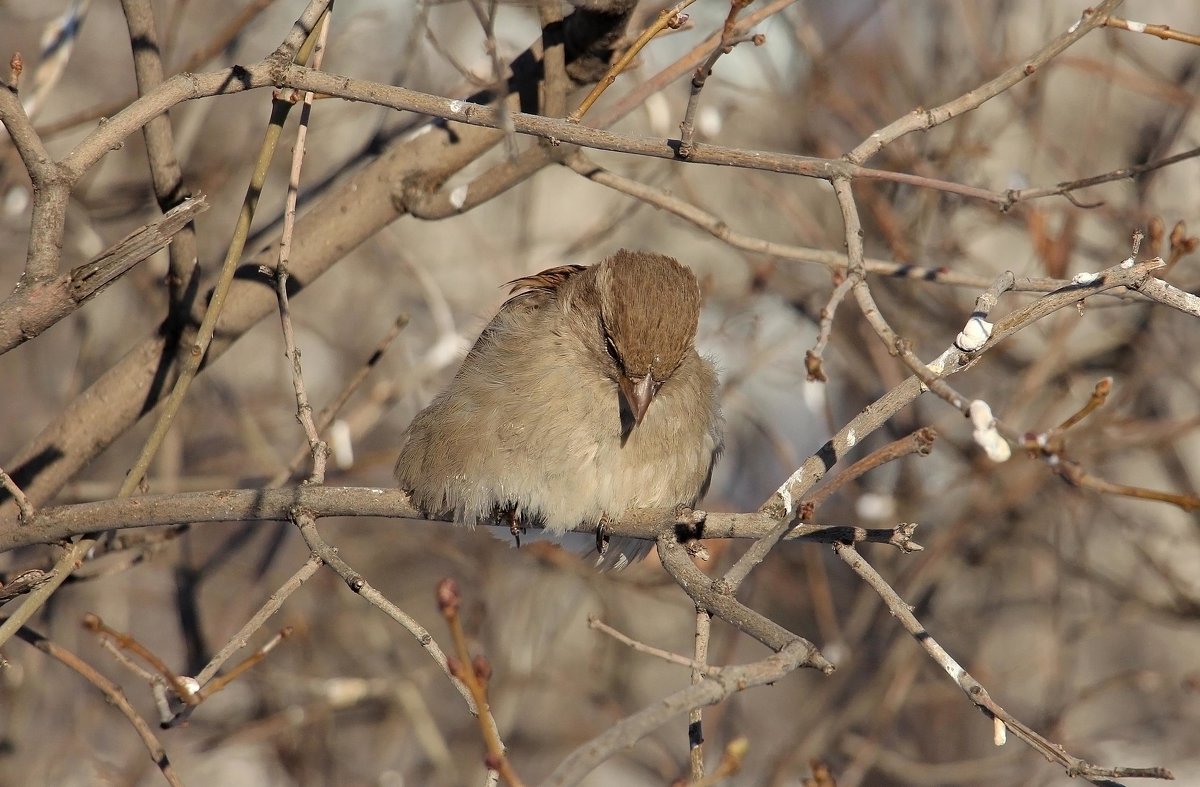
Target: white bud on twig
[
  {"x": 986, "y": 434},
  {"x": 974, "y": 334}
]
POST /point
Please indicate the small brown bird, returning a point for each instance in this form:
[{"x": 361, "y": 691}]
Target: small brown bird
[{"x": 583, "y": 397}]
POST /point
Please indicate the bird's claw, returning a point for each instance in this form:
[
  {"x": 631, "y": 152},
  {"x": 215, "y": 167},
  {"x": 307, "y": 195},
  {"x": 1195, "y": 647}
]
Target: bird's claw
[
  {"x": 515, "y": 527},
  {"x": 602, "y": 536}
]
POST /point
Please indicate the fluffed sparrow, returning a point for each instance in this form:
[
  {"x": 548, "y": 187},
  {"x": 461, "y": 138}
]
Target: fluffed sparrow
[{"x": 583, "y": 397}]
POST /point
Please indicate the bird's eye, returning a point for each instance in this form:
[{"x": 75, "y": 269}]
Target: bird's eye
[{"x": 612, "y": 349}]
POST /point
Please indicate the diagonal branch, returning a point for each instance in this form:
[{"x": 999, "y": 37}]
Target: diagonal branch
[
  {"x": 976, "y": 692},
  {"x": 919, "y": 120},
  {"x": 112, "y": 694},
  {"x": 32, "y": 311}
]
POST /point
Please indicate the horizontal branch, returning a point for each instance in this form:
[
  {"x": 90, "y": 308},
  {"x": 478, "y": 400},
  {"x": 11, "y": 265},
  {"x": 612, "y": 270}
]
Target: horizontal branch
[
  {"x": 558, "y": 131},
  {"x": 554, "y": 129},
  {"x": 248, "y": 505},
  {"x": 187, "y": 87}
]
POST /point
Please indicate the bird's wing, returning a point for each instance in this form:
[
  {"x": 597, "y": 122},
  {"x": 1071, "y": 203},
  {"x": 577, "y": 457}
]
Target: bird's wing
[
  {"x": 548, "y": 280},
  {"x": 529, "y": 294}
]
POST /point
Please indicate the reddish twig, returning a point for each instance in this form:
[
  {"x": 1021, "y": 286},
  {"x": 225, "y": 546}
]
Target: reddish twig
[
  {"x": 475, "y": 674},
  {"x": 1159, "y": 31},
  {"x": 93, "y": 623},
  {"x": 257, "y": 656},
  {"x": 919, "y": 442},
  {"x": 667, "y": 18}
]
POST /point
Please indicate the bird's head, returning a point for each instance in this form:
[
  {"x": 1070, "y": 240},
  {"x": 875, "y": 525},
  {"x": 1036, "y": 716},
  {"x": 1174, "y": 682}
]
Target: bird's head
[{"x": 649, "y": 310}]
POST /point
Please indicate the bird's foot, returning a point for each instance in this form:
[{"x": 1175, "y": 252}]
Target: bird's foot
[
  {"x": 602, "y": 535},
  {"x": 515, "y": 526}
]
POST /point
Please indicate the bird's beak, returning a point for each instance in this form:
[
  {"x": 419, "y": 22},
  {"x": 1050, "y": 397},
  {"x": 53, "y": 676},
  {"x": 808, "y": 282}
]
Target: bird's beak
[{"x": 637, "y": 392}]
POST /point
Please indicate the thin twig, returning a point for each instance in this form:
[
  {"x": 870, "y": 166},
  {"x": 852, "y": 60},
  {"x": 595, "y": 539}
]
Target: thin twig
[
  {"x": 900, "y": 536},
  {"x": 1099, "y": 396},
  {"x": 1076, "y": 475},
  {"x": 836, "y": 262},
  {"x": 23, "y": 504},
  {"x": 813, "y": 358},
  {"x": 687, "y": 128},
  {"x": 795, "y": 486},
  {"x": 700, "y": 668},
  {"x": 710, "y": 691},
  {"x": 1159, "y": 31},
  {"x": 717, "y": 598},
  {"x": 330, "y": 411},
  {"x": 93, "y": 623},
  {"x": 317, "y": 447},
  {"x": 926, "y": 119},
  {"x": 272, "y": 605},
  {"x": 359, "y": 585},
  {"x": 151, "y": 677},
  {"x": 664, "y": 20},
  {"x": 239, "y": 640},
  {"x": 220, "y": 682},
  {"x": 1050, "y": 446},
  {"x": 475, "y": 673},
  {"x": 1064, "y": 189},
  {"x": 641, "y": 647},
  {"x": 919, "y": 442}
]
